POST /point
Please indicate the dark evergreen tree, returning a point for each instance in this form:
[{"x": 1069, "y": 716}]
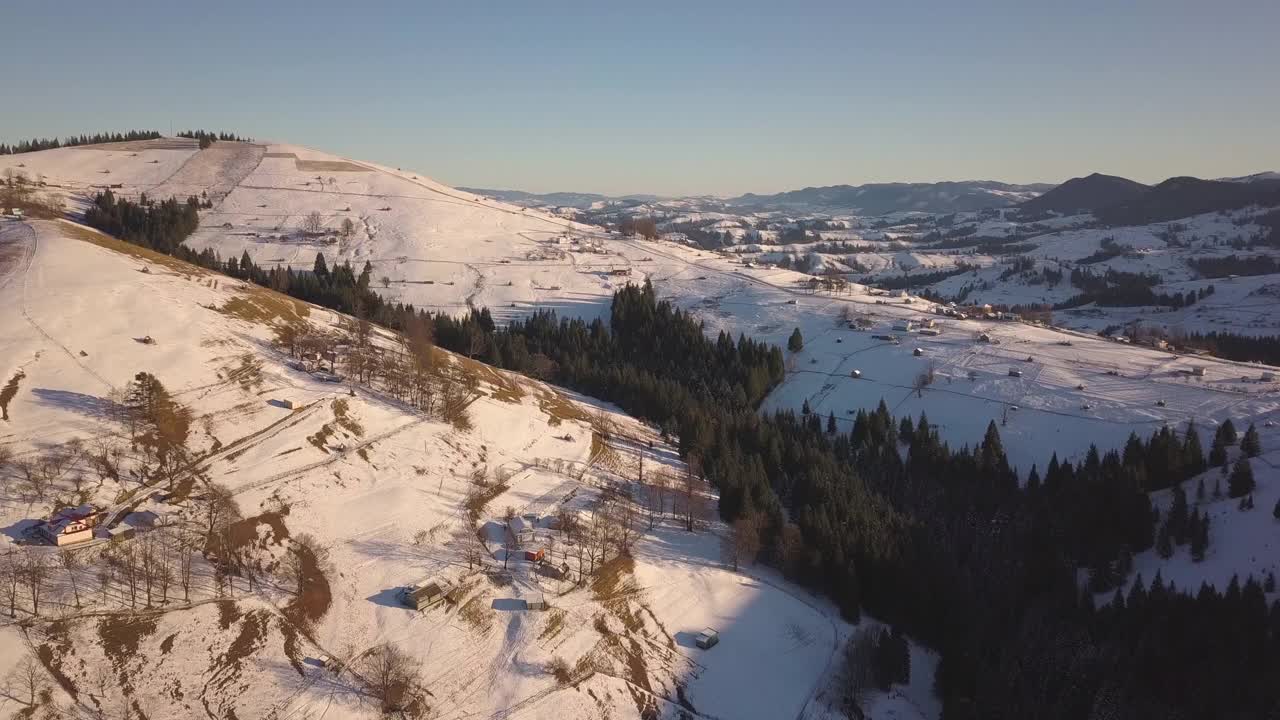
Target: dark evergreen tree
[
  {"x": 1199, "y": 536},
  {"x": 1241, "y": 481},
  {"x": 795, "y": 343},
  {"x": 1251, "y": 444}
]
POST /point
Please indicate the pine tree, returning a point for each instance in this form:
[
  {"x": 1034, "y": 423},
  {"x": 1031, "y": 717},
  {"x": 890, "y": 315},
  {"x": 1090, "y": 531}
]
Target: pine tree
[
  {"x": 1269, "y": 584},
  {"x": 831, "y": 423},
  {"x": 1251, "y": 445},
  {"x": 1276, "y": 513},
  {"x": 795, "y": 343},
  {"x": 1199, "y": 537},
  {"x": 1178, "y": 526},
  {"x": 1241, "y": 481},
  {"x": 1193, "y": 453},
  {"x": 804, "y": 407},
  {"x": 321, "y": 268},
  {"x": 1200, "y": 491},
  {"x": 1164, "y": 542},
  {"x": 1228, "y": 431}
]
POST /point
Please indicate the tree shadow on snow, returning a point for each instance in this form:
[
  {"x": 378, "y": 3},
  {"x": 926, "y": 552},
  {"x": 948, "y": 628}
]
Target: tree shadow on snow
[{"x": 89, "y": 405}]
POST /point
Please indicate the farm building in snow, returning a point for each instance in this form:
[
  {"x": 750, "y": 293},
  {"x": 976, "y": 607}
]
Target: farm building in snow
[
  {"x": 425, "y": 594},
  {"x": 69, "y": 526}
]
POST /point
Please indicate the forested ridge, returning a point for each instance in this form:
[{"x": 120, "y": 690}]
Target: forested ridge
[
  {"x": 945, "y": 544},
  {"x": 36, "y": 144}
]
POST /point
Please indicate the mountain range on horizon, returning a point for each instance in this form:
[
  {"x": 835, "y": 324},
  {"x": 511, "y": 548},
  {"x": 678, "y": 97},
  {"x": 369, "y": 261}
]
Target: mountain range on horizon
[{"x": 1088, "y": 193}]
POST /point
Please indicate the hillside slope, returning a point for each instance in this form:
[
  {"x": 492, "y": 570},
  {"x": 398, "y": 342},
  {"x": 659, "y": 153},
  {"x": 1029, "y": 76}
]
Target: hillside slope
[
  {"x": 1085, "y": 194},
  {"x": 339, "y": 495}
]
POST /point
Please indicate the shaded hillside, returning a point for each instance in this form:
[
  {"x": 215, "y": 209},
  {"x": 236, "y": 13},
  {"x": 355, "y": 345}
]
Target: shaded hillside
[
  {"x": 883, "y": 198},
  {"x": 1090, "y": 193},
  {"x": 1182, "y": 197}
]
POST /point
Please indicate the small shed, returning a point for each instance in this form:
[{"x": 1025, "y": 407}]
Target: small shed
[
  {"x": 1014, "y": 372},
  {"x": 918, "y": 352},
  {"x": 708, "y": 639},
  {"x": 287, "y": 404},
  {"x": 855, "y": 374},
  {"x": 536, "y": 601},
  {"x": 1267, "y": 377},
  {"x": 424, "y": 594},
  {"x": 122, "y": 531},
  {"x": 535, "y": 555}
]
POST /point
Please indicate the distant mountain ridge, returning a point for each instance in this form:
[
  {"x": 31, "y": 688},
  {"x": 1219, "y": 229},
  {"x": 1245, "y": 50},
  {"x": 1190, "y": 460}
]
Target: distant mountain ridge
[
  {"x": 1087, "y": 194},
  {"x": 1181, "y": 197},
  {"x": 885, "y": 198},
  {"x": 578, "y": 200}
]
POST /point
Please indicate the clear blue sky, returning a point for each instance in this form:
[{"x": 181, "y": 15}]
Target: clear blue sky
[{"x": 699, "y": 96}]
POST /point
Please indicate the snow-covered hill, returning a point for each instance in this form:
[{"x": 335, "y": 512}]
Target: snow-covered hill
[
  {"x": 445, "y": 249},
  {"x": 343, "y": 495}
]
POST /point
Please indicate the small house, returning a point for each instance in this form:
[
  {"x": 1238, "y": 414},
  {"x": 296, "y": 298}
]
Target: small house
[
  {"x": 536, "y": 601},
  {"x": 904, "y": 326},
  {"x": 918, "y": 352},
  {"x": 535, "y": 555},
  {"x": 424, "y": 594},
  {"x": 1267, "y": 377},
  {"x": 69, "y": 526},
  {"x": 287, "y": 404},
  {"x": 984, "y": 337},
  {"x": 708, "y": 639},
  {"x": 1198, "y": 371}
]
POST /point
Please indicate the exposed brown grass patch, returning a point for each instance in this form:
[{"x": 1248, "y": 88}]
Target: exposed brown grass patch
[
  {"x": 263, "y": 307},
  {"x": 478, "y": 614},
  {"x": 8, "y": 392},
  {"x": 314, "y": 596},
  {"x": 89, "y": 235},
  {"x": 559, "y": 408},
  {"x": 244, "y": 533},
  {"x": 57, "y": 646},
  {"x": 613, "y": 586},
  {"x": 554, "y": 624}
]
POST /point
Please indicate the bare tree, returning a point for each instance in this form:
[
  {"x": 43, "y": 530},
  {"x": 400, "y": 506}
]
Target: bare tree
[
  {"x": 28, "y": 685},
  {"x": 35, "y": 571},
  {"x": 70, "y": 563},
  {"x": 313, "y": 224},
  {"x": 741, "y": 544},
  {"x": 306, "y": 555},
  {"x": 691, "y": 499},
  {"x": 790, "y": 547},
  {"x": 388, "y": 674},
  {"x": 11, "y": 580},
  {"x": 656, "y": 496},
  {"x": 348, "y": 228}
]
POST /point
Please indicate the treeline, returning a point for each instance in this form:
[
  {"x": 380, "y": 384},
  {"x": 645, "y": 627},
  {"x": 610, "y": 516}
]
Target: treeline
[
  {"x": 908, "y": 280},
  {"x": 161, "y": 226},
  {"x": 1243, "y": 348},
  {"x": 944, "y": 544},
  {"x": 209, "y": 137},
  {"x": 1115, "y": 288},
  {"x": 36, "y": 144},
  {"x": 645, "y": 227},
  {"x": 1220, "y": 267}
]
